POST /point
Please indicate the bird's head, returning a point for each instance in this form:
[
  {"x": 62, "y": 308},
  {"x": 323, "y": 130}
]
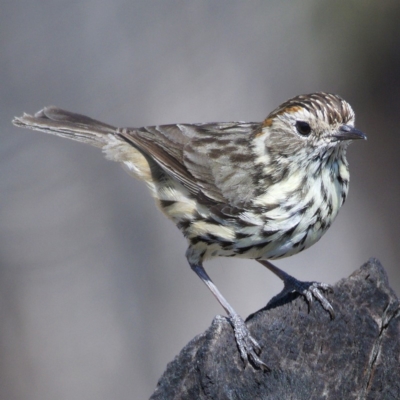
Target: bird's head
[{"x": 316, "y": 123}]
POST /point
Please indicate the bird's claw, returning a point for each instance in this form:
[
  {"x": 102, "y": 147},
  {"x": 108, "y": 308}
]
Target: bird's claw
[
  {"x": 248, "y": 346},
  {"x": 309, "y": 290},
  {"x": 313, "y": 289}
]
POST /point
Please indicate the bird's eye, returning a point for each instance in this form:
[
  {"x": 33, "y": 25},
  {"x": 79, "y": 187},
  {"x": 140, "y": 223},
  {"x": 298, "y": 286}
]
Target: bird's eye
[{"x": 303, "y": 128}]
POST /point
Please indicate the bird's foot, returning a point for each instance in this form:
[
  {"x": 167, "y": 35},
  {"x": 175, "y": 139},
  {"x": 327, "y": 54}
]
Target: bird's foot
[
  {"x": 309, "y": 290},
  {"x": 248, "y": 346}
]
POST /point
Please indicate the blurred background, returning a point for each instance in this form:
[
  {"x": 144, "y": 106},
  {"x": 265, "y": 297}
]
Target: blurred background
[{"x": 96, "y": 296}]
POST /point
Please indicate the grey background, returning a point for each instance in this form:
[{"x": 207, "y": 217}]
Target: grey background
[{"x": 95, "y": 293}]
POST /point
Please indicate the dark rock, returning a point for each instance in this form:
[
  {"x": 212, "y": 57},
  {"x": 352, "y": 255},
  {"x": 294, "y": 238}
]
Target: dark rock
[{"x": 354, "y": 356}]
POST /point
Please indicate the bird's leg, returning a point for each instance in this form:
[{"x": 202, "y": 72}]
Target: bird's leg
[
  {"x": 307, "y": 289},
  {"x": 247, "y": 345}
]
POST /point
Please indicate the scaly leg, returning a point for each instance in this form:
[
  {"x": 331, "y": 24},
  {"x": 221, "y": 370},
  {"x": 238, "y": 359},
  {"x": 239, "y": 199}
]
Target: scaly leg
[
  {"x": 307, "y": 289},
  {"x": 248, "y": 346}
]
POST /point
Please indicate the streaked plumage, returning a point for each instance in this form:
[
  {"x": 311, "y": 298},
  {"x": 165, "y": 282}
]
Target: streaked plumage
[{"x": 253, "y": 190}]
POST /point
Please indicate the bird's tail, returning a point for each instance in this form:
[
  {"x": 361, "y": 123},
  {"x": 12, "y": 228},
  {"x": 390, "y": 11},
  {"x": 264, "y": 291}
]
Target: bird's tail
[{"x": 66, "y": 124}]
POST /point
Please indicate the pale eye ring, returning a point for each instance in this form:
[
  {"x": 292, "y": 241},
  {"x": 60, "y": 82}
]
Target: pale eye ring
[{"x": 303, "y": 128}]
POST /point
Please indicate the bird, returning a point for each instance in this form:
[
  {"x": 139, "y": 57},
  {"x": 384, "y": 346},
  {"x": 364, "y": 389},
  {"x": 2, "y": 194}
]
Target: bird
[{"x": 255, "y": 190}]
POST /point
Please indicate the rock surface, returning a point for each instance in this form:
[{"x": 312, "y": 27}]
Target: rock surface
[{"x": 354, "y": 356}]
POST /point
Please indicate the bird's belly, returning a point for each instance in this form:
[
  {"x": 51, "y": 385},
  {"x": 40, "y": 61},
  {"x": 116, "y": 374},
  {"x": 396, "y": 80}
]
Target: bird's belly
[{"x": 278, "y": 232}]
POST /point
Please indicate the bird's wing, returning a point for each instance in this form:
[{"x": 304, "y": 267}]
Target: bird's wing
[{"x": 213, "y": 160}]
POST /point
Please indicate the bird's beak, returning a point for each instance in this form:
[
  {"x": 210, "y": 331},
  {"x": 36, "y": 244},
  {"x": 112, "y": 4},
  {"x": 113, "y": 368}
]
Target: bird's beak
[{"x": 347, "y": 132}]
